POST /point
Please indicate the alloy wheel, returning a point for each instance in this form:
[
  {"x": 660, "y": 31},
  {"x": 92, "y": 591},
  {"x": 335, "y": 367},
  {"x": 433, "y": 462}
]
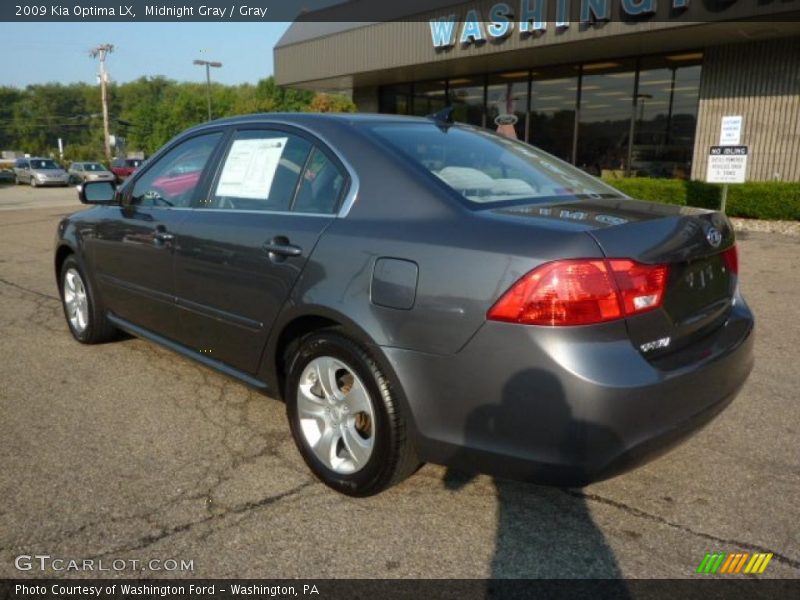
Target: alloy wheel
[
  {"x": 336, "y": 415},
  {"x": 75, "y": 300}
]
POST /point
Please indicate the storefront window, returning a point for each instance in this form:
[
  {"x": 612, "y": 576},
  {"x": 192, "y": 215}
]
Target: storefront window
[
  {"x": 395, "y": 99},
  {"x": 666, "y": 117},
  {"x": 643, "y": 130},
  {"x": 507, "y": 104},
  {"x": 466, "y": 97},
  {"x": 554, "y": 94},
  {"x": 605, "y": 117},
  {"x": 429, "y": 97}
]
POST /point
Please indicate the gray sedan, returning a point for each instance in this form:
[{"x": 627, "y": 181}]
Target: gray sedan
[
  {"x": 40, "y": 171},
  {"x": 417, "y": 290},
  {"x": 90, "y": 171}
]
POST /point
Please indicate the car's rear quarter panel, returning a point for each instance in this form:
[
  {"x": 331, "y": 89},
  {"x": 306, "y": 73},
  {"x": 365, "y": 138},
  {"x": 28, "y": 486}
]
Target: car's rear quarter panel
[{"x": 466, "y": 259}]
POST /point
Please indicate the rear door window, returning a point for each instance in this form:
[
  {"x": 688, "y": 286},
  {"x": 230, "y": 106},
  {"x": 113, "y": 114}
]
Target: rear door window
[{"x": 260, "y": 172}]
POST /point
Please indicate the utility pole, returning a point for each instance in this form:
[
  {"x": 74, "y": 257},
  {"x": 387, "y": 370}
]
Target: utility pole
[
  {"x": 102, "y": 51},
  {"x": 208, "y": 64}
]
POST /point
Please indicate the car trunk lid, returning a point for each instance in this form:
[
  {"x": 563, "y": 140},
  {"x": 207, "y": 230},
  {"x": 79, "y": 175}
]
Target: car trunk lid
[{"x": 701, "y": 282}]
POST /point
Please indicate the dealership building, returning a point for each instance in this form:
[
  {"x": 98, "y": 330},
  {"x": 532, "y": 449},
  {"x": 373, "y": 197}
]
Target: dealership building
[{"x": 617, "y": 87}]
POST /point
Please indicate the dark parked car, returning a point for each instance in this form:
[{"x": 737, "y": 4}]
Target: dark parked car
[
  {"x": 418, "y": 291},
  {"x": 125, "y": 167}
]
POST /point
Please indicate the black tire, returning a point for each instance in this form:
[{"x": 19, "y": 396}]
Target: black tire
[
  {"x": 32, "y": 181},
  {"x": 98, "y": 328},
  {"x": 393, "y": 457}
]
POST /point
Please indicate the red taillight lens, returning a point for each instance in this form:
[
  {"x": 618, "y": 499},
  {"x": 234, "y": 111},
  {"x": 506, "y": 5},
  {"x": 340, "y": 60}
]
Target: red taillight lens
[
  {"x": 581, "y": 292},
  {"x": 731, "y": 259},
  {"x": 641, "y": 287},
  {"x": 568, "y": 292}
]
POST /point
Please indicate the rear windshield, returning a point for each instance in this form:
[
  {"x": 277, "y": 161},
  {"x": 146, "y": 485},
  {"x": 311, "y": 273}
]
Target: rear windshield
[
  {"x": 134, "y": 162},
  {"x": 94, "y": 167},
  {"x": 487, "y": 168}
]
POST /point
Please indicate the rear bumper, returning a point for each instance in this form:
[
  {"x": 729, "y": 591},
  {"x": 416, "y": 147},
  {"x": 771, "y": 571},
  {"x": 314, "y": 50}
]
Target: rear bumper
[{"x": 567, "y": 406}]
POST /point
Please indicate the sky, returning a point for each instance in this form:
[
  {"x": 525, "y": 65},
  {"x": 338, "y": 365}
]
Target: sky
[{"x": 59, "y": 52}]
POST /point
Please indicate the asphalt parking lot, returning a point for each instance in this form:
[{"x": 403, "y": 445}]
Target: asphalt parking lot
[{"x": 127, "y": 451}]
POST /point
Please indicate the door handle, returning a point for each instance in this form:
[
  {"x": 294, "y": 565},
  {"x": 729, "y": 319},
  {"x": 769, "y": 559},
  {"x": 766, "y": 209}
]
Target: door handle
[{"x": 280, "y": 246}]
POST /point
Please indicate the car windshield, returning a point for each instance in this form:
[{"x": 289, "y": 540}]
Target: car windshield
[
  {"x": 135, "y": 163},
  {"x": 486, "y": 168},
  {"x": 94, "y": 167},
  {"x": 44, "y": 164}
]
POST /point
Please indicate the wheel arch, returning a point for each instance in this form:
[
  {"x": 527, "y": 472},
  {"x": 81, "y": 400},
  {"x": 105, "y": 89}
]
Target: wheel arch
[
  {"x": 293, "y": 326},
  {"x": 302, "y": 321},
  {"x": 62, "y": 252}
]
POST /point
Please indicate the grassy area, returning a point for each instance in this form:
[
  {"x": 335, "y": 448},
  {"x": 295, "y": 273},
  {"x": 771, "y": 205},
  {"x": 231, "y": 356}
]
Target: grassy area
[{"x": 770, "y": 200}]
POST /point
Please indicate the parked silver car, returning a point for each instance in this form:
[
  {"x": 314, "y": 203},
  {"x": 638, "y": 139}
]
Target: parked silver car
[
  {"x": 90, "y": 171},
  {"x": 39, "y": 171}
]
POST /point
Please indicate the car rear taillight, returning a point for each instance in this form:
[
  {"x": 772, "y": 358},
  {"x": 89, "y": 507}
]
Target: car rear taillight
[
  {"x": 731, "y": 259},
  {"x": 582, "y": 292},
  {"x": 641, "y": 287}
]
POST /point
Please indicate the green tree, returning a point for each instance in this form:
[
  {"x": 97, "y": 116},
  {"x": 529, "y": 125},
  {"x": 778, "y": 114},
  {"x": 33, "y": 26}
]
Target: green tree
[
  {"x": 146, "y": 112},
  {"x": 331, "y": 103}
]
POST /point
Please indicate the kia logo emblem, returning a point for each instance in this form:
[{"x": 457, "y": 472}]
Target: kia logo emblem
[{"x": 714, "y": 237}]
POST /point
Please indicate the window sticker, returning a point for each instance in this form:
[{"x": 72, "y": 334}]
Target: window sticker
[{"x": 250, "y": 168}]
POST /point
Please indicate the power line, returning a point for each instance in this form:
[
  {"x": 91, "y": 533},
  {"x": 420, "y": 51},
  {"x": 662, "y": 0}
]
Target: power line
[{"x": 22, "y": 120}]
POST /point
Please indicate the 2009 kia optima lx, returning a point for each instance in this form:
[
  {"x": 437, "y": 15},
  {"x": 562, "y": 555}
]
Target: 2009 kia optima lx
[{"x": 418, "y": 291}]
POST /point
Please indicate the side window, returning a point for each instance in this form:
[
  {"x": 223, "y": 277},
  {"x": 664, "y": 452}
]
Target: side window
[
  {"x": 173, "y": 179},
  {"x": 260, "y": 172},
  {"x": 322, "y": 185}
]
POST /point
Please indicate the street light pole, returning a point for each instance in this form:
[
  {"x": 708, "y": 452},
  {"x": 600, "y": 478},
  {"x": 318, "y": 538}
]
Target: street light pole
[{"x": 208, "y": 64}]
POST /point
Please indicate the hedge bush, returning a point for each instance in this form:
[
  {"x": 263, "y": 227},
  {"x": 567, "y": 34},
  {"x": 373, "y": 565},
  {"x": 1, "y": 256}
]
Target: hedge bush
[{"x": 773, "y": 200}]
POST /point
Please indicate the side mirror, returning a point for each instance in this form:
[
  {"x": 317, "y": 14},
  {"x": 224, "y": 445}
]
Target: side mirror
[{"x": 97, "y": 192}]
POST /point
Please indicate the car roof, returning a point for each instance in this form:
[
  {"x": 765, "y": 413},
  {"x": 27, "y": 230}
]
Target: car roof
[{"x": 312, "y": 118}]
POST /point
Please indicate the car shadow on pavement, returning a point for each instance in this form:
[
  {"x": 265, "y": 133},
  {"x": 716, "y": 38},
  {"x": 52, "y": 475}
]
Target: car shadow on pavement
[{"x": 542, "y": 532}]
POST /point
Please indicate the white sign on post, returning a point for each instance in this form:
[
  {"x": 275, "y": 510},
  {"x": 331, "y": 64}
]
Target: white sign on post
[
  {"x": 727, "y": 164},
  {"x": 731, "y": 131}
]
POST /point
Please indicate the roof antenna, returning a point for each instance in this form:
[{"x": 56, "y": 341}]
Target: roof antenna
[{"x": 443, "y": 118}]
